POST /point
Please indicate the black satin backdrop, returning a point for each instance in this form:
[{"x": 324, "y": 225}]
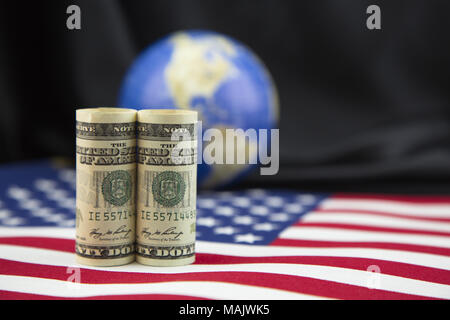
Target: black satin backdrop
[{"x": 360, "y": 110}]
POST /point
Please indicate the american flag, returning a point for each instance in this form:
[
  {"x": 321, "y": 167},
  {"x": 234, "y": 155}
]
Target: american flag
[{"x": 252, "y": 244}]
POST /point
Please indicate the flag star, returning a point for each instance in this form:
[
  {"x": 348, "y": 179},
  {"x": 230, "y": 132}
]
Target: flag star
[
  {"x": 241, "y": 202},
  {"x": 207, "y": 222},
  {"x": 259, "y": 210},
  {"x": 257, "y": 193},
  {"x": 13, "y": 221},
  {"x": 30, "y": 204},
  {"x": 225, "y": 230},
  {"x": 281, "y": 217},
  {"x": 45, "y": 184},
  {"x": 5, "y": 213},
  {"x": 249, "y": 238},
  {"x": 57, "y": 195},
  {"x": 264, "y": 227},
  {"x": 224, "y": 211},
  {"x": 206, "y": 203},
  {"x": 274, "y": 201},
  {"x": 55, "y": 217},
  {"x": 67, "y": 175},
  {"x": 307, "y": 199},
  {"x": 66, "y": 223},
  {"x": 68, "y": 203},
  {"x": 293, "y": 208},
  {"x": 18, "y": 193},
  {"x": 245, "y": 220},
  {"x": 42, "y": 212},
  {"x": 224, "y": 194}
]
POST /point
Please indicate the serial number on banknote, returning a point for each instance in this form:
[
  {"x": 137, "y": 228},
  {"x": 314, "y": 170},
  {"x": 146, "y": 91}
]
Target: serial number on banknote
[
  {"x": 167, "y": 216},
  {"x": 110, "y": 216}
]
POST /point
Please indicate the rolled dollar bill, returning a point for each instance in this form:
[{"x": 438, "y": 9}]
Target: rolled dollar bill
[
  {"x": 106, "y": 181},
  {"x": 167, "y": 187}
]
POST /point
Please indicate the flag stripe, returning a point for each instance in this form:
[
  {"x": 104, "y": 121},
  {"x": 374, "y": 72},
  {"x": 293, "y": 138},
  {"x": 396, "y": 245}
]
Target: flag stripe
[
  {"x": 387, "y": 267},
  {"x": 14, "y": 295},
  {"x": 360, "y": 245},
  {"x": 67, "y": 245},
  {"x": 257, "y": 282},
  {"x": 409, "y": 199},
  {"x": 296, "y": 284},
  {"x": 25, "y": 254},
  {"x": 359, "y": 227},
  {"x": 335, "y": 234},
  {"x": 211, "y": 289},
  {"x": 368, "y": 220},
  {"x": 323, "y": 211},
  {"x": 336, "y": 275},
  {"x": 412, "y": 209},
  {"x": 251, "y": 244},
  {"x": 48, "y": 232}
]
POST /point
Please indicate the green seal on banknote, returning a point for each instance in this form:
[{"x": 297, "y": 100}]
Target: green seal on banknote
[
  {"x": 168, "y": 188},
  {"x": 116, "y": 187}
]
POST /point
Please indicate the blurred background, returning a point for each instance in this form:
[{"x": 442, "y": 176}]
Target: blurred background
[{"x": 359, "y": 110}]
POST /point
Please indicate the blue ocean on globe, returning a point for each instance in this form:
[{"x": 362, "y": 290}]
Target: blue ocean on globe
[{"x": 213, "y": 74}]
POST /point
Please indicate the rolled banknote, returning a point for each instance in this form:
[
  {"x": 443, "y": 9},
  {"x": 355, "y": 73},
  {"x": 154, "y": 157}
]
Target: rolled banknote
[
  {"x": 106, "y": 181},
  {"x": 167, "y": 187}
]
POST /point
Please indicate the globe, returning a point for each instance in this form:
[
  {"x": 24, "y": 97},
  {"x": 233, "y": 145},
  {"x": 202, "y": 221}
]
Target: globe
[{"x": 213, "y": 74}]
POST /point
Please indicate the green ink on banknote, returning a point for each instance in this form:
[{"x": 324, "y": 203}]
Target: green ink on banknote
[
  {"x": 168, "y": 188},
  {"x": 116, "y": 187}
]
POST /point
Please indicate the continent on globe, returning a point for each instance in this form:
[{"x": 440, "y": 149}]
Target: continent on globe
[
  {"x": 205, "y": 63},
  {"x": 213, "y": 74}
]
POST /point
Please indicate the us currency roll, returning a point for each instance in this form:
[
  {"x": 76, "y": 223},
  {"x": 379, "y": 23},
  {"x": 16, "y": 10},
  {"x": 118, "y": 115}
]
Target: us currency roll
[
  {"x": 106, "y": 181},
  {"x": 167, "y": 187}
]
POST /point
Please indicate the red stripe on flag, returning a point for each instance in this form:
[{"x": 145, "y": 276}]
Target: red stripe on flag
[
  {"x": 13, "y": 295},
  {"x": 388, "y": 267},
  {"x": 393, "y": 268},
  {"x": 412, "y": 199},
  {"x": 299, "y": 284},
  {"x": 370, "y": 228},
  {"x": 67, "y": 245},
  {"x": 378, "y": 213},
  {"x": 343, "y": 244}
]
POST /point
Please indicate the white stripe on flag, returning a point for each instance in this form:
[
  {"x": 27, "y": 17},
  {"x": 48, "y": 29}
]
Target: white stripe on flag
[
  {"x": 361, "y": 219},
  {"x": 418, "y": 210},
  {"x": 47, "y": 232},
  {"x": 416, "y": 258},
  {"x": 237, "y": 250},
  {"x": 342, "y": 275},
  {"x": 335, "y": 234},
  {"x": 212, "y": 290}
]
